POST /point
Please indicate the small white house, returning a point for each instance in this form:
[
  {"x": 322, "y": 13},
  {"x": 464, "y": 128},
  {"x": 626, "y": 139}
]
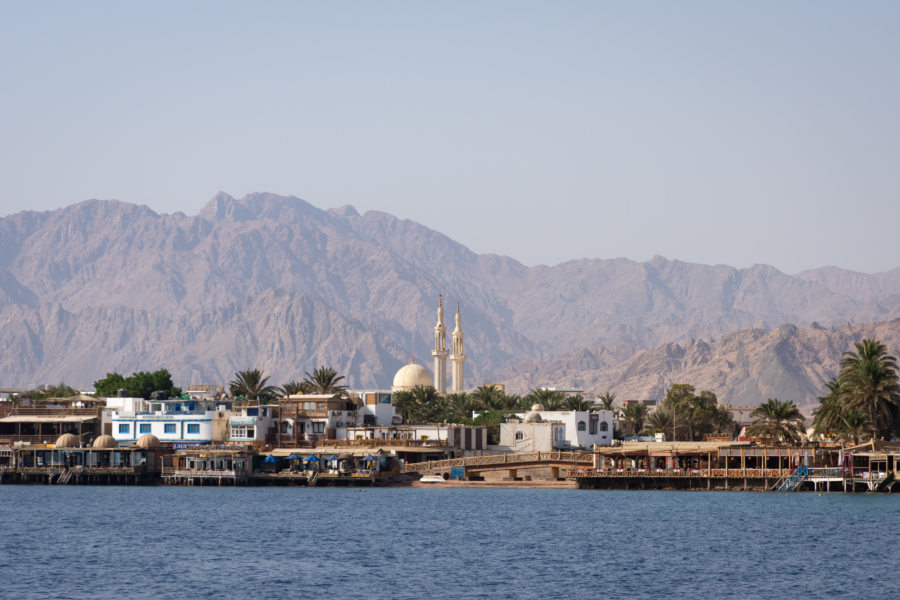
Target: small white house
[{"x": 543, "y": 430}]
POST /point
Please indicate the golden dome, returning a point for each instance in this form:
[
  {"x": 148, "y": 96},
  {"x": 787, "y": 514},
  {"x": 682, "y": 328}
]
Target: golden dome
[
  {"x": 105, "y": 441},
  {"x": 148, "y": 440},
  {"x": 67, "y": 440},
  {"x": 411, "y": 376}
]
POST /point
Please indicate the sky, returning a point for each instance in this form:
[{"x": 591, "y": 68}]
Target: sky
[{"x": 712, "y": 132}]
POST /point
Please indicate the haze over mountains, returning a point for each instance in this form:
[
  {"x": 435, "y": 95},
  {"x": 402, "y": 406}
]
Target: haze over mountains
[{"x": 276, "y": 283}]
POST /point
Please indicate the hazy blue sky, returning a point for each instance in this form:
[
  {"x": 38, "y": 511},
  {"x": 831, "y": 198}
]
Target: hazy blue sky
[{"x": 712, "y": 132}]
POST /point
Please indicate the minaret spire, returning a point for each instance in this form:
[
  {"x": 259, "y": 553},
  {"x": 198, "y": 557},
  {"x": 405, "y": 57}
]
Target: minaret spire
[
  {"x": 440, "y": 351},
  {"x": 458, "y": 358}
]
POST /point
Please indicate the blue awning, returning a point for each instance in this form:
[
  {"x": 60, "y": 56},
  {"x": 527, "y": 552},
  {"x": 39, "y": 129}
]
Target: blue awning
[
  {"x": 333, "y": 457},
  {"x": 293, "y": 457},
  {"x": 370, "y": 457},
  {"x": 270, "y": 459},
  {"x": 313, "y": 458}
]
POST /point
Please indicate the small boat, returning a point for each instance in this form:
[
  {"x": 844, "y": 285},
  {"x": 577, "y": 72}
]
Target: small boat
[{"x": 431, "y": 479}]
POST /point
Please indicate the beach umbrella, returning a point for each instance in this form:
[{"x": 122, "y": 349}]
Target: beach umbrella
[
  {"x": 293, "y": 457},
  {"x": 312, "y": 458},
  {"x": 369, "y": 457},
  {"x": 270, "y": 459},
  {"x": 333, "y": 457}
]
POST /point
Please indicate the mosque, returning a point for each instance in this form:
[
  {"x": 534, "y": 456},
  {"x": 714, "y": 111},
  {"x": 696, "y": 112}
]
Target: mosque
[{"x": 413, "y": 375}]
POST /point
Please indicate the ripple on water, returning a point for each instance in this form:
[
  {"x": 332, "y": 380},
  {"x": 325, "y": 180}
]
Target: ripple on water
[{"x": 115, "y": 542}]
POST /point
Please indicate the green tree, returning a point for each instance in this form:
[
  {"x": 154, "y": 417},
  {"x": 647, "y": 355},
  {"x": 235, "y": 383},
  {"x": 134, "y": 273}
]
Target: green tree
[
  {"x": 577, "y": 402},
  {"x": 777, "y": 419},
  {"x": 869, "y": 384},
  {"x": 856, "y": 426},
  {"x": 251, "y": 384},
  {"x": 660, "y": 421},
  {"x": 138, "y": 385},
  {"x": 607, "y": 401},
  {"x": 827, "y": 417},
  {"x": 636, "y": 414},
  {"x": 292, "y": 388},
  {"x": 549, "y": 399},
  {"x": 325, "y": 380}
]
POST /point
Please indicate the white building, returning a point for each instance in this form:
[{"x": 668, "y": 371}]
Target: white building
[
  {"x": 252, "y": 425},
  {"x": 544, "y": 430},
  {"x": 179, "y": 423}
]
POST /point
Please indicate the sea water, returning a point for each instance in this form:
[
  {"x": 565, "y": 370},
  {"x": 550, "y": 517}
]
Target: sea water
[{"x": 181, "y": 542}]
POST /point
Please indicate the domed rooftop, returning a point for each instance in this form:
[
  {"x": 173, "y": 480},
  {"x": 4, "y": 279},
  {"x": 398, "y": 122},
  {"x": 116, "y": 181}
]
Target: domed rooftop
[
  {"x": 105, "y": 441},
  {"x": 67, "y": 440},
  {"x": 148, "y": 440},
  {"x": 410, "y": 376},
  {"x": 534, "y": 415},
  {"x": 537, "y": 407}
]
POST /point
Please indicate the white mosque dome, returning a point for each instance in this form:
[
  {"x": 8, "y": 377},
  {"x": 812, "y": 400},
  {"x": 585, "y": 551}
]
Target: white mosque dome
[{"x": 410, "y": 376}]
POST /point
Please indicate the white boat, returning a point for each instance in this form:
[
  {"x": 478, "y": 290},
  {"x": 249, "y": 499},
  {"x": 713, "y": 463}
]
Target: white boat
[{"x": 431, "y": 479}]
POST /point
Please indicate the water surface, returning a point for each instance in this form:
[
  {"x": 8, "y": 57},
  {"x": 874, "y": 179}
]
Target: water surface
[{"x": 178, "y": 542}]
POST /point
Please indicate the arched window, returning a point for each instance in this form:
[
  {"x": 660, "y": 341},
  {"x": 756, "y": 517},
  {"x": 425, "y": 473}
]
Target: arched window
[
  {"x": 582, "y": 426},
  {"x": 604, "y": 426},
  {"x": 519, "y": 435}
]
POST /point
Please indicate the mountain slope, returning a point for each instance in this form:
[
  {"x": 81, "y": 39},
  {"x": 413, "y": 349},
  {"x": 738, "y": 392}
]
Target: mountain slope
[{"x": 276, "y": 283}]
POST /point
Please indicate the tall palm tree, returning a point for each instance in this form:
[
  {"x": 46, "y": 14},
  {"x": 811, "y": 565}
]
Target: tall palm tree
[
  {"x": 324, "y": 380},
  {"x": 636, "y": 414},
  {"x": 461, "y": 406},
  {"x": 251, "y": 385},
  {"x": 607, "y": 401},
  {"x": 777, "y": 419},
  {"x": 869, "y": 384},
  {"x": 827, "y": 417}
]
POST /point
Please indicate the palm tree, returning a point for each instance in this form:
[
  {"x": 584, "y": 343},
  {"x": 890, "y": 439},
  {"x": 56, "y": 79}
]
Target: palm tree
[
  {"x": 324, "y": 380},
  {"x": 292, "y": 388},
  {"x": 777, "y": 419},
  {"x": 636, "y": 414},
  {"x": 251, "y": 385},
  {"x": 869, "y": 384},
  {"x": 827, "y": 418},
  {"x": 549, "y": 399},
  {"x": 487, "y": 396},
  {"x": 577, "y": 402},
  {"x": 856, "y": 426},
  {"x": 660, "y": 421},
  {"x": 607, "y": 400},
  {"x": 461, "y": 406}
]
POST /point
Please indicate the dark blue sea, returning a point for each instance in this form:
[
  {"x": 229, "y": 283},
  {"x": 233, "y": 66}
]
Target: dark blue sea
[{"x": 173, "y": 542}]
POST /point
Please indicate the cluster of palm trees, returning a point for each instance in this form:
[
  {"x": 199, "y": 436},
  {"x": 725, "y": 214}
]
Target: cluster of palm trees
[
  {"x": 682, "y": 415},
  {"x": 864, "y": 400},
  {"x": 252, "y": 385},
  {"x": 423, "y": 404}
]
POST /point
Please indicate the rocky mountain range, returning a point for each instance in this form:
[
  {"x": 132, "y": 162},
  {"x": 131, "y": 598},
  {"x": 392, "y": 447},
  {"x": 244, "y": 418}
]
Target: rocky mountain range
[{"x": 276, "y": 283}]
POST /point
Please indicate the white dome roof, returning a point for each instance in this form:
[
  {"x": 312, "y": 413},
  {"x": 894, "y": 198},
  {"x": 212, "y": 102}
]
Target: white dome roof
[{"x": 410, "y": 376}]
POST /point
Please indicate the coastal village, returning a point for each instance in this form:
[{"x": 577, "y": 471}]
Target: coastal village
[{"x": 317, "y": 433}]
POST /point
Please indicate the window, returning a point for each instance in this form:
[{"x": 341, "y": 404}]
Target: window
[
  {"x": 582, "y": 426},
  {"x": 593, "y": 427},
  {"x": 318, "y": 427},
  {"x": 169, "y": 428},
  {"x": 519, "y": 435},
  {"x": 124, "y": 428},
  {"x": 604, "y": 426},
  {"x": 193, "y": 428},
  {"x": 145, "y": 427}
]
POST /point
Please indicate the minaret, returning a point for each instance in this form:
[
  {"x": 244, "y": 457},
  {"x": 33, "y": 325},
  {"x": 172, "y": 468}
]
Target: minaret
[
  {"x": 440, "y": 351},
  {"x": 458, "y": 359}
]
